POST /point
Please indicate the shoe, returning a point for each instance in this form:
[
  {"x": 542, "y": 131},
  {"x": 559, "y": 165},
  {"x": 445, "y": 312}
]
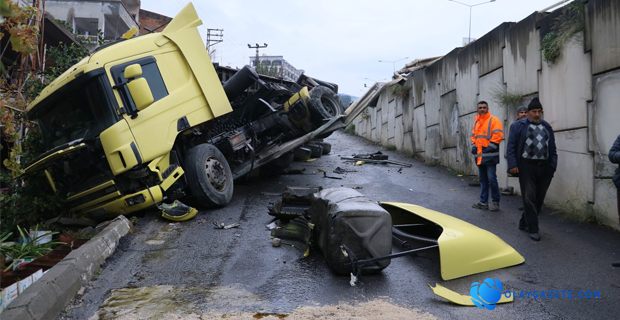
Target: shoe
[
  {"x": 535, "y": 236},
  {"x": 481, "y": 206},
  {"x": 494, "y": 206},
  {"x": 523, "y": 228}
]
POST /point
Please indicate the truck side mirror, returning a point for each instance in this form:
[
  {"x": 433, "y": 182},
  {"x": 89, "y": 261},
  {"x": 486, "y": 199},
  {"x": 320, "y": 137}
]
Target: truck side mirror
[{"x": 138, "y": 87}]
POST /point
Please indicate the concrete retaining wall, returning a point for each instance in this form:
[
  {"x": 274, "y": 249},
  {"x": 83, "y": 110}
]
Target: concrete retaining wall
[{"x": 579, "y": 91}]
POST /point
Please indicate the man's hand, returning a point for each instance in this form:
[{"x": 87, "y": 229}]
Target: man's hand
[{"x": 514, "y": 170}]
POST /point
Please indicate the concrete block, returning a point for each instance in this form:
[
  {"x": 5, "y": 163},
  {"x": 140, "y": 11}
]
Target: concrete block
[
  {"x": 605, "y": 205},
  {"x": 566, "y": 86},
  {"x": 408, "y": 118}
]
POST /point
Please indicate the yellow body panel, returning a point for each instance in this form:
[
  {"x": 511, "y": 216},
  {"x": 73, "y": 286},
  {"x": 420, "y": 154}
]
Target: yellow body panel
[
  {"x": 91, "y": 190},
  {"x": 116, "y": 141},
  {"x": 118, "y": 206},
  {"x": 41, "y": 162},
  {"x": 464, "y": 249},
  {"x": 461, "y": 299}
]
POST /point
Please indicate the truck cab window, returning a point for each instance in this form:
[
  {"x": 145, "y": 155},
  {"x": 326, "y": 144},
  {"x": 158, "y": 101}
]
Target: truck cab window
[{"x": 150, "y": 72}]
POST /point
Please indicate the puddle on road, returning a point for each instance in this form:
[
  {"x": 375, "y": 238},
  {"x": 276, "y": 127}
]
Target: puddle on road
[{"x": 168, "y": 302}]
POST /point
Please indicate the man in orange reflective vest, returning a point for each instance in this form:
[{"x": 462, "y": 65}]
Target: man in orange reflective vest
[{"x": 486, "y": 136}]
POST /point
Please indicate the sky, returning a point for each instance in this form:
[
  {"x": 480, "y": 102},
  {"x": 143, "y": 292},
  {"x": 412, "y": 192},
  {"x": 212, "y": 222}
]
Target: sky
[{"x": 343, "y": 41}]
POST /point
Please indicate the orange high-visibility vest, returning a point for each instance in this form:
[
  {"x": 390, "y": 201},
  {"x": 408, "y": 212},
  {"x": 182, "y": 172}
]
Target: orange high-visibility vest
[{"x": 487, "y": 128}]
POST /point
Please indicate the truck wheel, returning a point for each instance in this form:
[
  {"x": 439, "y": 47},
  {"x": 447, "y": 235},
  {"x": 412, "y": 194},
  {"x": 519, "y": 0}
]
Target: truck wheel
[
  {"x": 324, "y": 102},
  {"x": 209, "y": 177}
]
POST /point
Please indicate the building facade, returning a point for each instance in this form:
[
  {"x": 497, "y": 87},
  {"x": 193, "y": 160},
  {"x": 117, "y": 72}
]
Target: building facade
[{"x": 276, "y": 66}]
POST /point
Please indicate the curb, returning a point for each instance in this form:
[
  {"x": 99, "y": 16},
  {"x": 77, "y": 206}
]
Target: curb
[{"x": 47, "y": 297}]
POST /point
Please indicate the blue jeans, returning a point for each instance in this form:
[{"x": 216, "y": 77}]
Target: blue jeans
[{"x": 488, "y": 178}]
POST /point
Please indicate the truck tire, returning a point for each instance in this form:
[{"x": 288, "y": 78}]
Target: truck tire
[
  {"x": 324, "y": 102},
  {"x": 208, "y": 175}
]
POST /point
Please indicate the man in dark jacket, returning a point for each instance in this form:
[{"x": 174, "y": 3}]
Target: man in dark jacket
[
  {"x": 614, "y": 157},
  {"x": 531, "y": 154}
]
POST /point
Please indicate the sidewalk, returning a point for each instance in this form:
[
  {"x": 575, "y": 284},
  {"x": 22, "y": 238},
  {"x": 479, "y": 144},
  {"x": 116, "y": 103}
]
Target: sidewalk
[{"x": 48, "y": 296}]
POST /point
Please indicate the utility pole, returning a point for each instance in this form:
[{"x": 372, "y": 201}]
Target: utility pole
[
  {"x": 214, "y": 36},
  {"x": 257, "y": 46}
]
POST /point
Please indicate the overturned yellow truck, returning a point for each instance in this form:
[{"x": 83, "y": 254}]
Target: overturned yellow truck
[{"x": 147, "y": 120}]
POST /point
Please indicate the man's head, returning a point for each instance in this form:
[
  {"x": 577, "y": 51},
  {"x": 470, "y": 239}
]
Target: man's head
[
  {"x": 534, "y": 111},
  {"x": 483, "y": 107},
  {"x": 521, "y": 112}
]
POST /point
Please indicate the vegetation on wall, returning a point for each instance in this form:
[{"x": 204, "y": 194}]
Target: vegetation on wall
[
  {"x": 400, "y": 91},
  {"x": 570, "y": 22},
  {"x": 507, "y": 99}
]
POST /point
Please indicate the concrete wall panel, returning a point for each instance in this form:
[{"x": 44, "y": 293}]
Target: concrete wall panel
[
  {"x": 391, "y": 118},
  {"x": 467, "y": 162},
  {"x": 573, "y": 183},
  {"x": 489, "y": 48},
  {"x": 449, "y": 71},
  {"x": 408, "y": 146},
  {"x": 449, "y": 120},
  {"x": 604, "y": 16},
  {"x": 522, "y": 58},
  {"x": 605, "y": 206},
  {"x": 432, "y": 150},
  {"x": 467, "y": 84},
  {"x": 449, "y": 158},
  {"x": 419, "y": 129},
  {"x": 575, "y": 141},
  {"x": 398, "y": 133},
  {"x": 419, "y": 88},
  {"x": 567, "y": 85}
]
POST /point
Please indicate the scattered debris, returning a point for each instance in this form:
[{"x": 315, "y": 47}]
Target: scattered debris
[
  {"x": 340, "y": 170},
  {"x": 221, "y": 225},
  {"x": 292, "y": 171},
  {"x": 271, "y": 226},
  {"x": 360, "y": 163},
  {"x": 357, "y": 187},
  {"x": 371, "y": 156},
  {"x": 330, "y": 177},
  {"x": 363, "y": 160},
  {"x": 400, "y": 170},
  {"x": 311, "y": 160},
  {"x": 273, "y": 194},
  {"x": 177, "y": 211},
  {"x": 276, "y": 242}
]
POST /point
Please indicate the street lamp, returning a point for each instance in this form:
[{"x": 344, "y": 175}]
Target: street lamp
[
  {"x": 393, "y": 62},
  {"x": 470, "y": 6}
]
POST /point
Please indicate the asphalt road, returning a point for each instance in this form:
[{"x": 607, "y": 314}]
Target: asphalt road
[{"x": 192, "y": 268}]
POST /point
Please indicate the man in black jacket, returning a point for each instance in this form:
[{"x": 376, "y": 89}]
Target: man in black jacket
[
  {"x": 531, "y": 154},
  {"x": 614, "y": 157}
]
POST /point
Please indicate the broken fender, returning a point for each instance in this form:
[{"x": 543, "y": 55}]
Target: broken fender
[{"x": 464, "y": 249}]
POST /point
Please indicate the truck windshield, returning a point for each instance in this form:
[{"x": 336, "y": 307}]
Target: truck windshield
[{"x": 80, "y": 110}]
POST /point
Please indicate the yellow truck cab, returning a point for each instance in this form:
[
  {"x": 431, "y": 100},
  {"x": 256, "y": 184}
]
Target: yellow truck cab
[{"x": 147, "y": 119}]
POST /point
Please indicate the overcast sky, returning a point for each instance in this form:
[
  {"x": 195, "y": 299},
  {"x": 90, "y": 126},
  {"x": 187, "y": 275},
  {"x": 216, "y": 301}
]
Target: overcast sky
[{"x": 342, "y": 41}]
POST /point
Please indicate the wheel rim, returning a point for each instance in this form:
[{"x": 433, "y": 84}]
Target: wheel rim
[
  {"x": 215, "y": 174},
  {"x": 330, "y": 106}
]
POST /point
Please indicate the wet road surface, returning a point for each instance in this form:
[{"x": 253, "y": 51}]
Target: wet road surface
[{"x": 184, "y": 270}]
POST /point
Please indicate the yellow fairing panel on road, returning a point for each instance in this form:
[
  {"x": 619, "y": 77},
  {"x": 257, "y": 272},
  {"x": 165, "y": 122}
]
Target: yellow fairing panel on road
[{"x": 464, "y": 249}]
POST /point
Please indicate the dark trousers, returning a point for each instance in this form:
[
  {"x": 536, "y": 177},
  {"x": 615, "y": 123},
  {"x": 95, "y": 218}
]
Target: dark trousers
[
  {"x": 534, "y": 178},
  {"x": 488, "y": 180}
]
